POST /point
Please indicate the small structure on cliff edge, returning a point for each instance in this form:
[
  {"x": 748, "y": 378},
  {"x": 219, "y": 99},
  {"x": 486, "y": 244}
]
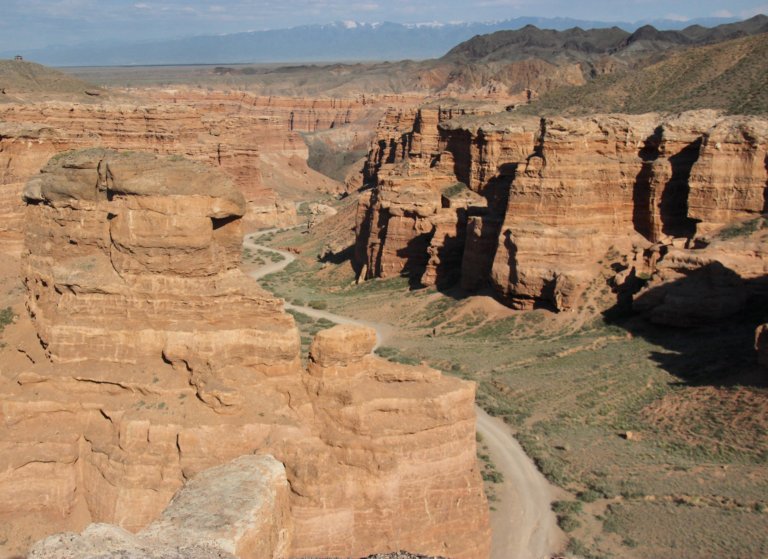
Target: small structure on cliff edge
[{"x": 160, "y": 360}]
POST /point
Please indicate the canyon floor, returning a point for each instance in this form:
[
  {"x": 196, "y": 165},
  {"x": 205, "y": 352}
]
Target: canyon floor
[{"x": 657, "y": 440}]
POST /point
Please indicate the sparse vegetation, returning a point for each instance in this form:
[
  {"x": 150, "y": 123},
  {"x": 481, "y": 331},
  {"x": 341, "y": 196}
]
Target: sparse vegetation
[
  {"x": 728, "y": 75},
  {"x": 394, "y": 354},
  {"x": 454, "y": 189},
  {"x": 6, "y": 318},
  {"x": 743, "y": 229},
  {"x": 260, "y": 257}
]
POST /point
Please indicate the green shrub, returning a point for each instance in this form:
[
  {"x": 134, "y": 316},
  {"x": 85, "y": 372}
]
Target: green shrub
[
  {"x": 567, "y": 507},
  {"x": 492, "y": 476},
  {"x": 567, "y": 522},
  {"x": 6, "y": 317},
  {"x": 589, "y": 496},
  {"x": 743, "y": 229},
  {"x": 454, "y": 189}
]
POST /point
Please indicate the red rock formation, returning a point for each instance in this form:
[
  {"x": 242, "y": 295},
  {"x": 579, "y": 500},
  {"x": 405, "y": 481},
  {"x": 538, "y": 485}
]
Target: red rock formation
[
  {"x": 22, "y": 148},
  {"x": 728, "y": 181},
  {"x": 256, "y": 140},
  {"x": 561, "y": 195},
  {"x": 361, "y": 402},
  {"x": 230, "y": 142},
  {"x": 688, "y": 286},
  {"x": 167, "y": 361},
  {"x": 409, "y": 224}
]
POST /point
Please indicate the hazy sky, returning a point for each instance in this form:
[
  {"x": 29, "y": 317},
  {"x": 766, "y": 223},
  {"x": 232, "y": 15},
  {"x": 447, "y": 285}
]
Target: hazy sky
[{"x": 35, "y": 23}]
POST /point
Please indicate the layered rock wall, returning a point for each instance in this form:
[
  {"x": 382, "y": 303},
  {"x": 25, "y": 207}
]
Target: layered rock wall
[
  {"x": 156, "y": 359},
  {"x": 229, "y": 142},
  {"x": 562, "y": 196}
]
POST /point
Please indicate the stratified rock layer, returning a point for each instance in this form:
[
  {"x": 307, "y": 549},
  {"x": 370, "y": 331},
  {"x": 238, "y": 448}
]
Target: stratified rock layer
[
  {"x": 562, "y": 196},
  {"x": 162, "y": 360},
  {"x": 254, "y": 140}
]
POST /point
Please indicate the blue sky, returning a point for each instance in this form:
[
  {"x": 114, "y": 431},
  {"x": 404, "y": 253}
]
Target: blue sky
[{"x": 36, "y": 23}]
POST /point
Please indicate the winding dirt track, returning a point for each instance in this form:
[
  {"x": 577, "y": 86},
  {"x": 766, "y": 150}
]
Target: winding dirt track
[{"x": 523, "y": 524}]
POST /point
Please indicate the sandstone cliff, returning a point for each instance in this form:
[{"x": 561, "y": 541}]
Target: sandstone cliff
[
  {"x": 155, "y": 359},
  {"x": 256, "y": 140},
  {"x": 562, "y": 197},
  {"x": 32, "y": 133}
]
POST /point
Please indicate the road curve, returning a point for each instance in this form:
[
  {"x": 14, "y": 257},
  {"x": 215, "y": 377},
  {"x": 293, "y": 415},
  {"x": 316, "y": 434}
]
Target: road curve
[
  {"x": 383, "y": 331},
  {"x": 523, "y": 525}
]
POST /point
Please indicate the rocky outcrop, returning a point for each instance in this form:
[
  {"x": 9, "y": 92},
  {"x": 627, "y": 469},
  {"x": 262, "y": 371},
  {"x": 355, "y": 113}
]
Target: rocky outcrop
[
  {"x": 562, "y": 197},
  {"x": 240, "y": 509},
  {"x": 728, "y": 182},
  {"x": 371, "y": 411},
  {"x": 24, "y": 148},
  {"x": 111, "y": 542},
  {"x": 559, "y": 220},
  {"x": 156, "y": 241},
  {"x": 690, "y": 286},
  {"x": 256, "y": 140},
  {"x": 155, "y": 359},
  {"x": 415, "y": 220},
  {"x": 229, "y": 142}
]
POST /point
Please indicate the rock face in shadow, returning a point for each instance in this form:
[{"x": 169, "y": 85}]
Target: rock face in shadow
[
  {"x": 761, "y": 344},
  {"x": 150, "y": 358},
  {"x": 563, "y": 196}
]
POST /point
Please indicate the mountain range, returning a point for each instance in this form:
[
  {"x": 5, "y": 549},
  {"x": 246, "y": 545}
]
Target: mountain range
[{"x": 339, "y": 41}]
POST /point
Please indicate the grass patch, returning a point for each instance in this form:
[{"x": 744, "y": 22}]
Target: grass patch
[
  {"x": 394, "y": 354},
  {"x": 454, "y": 189},
  {"x": 6, "y": 318},
  {"x": 743, "y": 229}
]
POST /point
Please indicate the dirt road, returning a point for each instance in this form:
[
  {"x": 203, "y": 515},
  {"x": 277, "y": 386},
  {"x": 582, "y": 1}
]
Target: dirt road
[{"x": 523, "y": 524}]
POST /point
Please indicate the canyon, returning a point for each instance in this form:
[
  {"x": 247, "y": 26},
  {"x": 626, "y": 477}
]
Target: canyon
[
  {"x": 255, "y": 140},
  {"x": 576, "y": 274},
  {"x": 148, "y": 357}
]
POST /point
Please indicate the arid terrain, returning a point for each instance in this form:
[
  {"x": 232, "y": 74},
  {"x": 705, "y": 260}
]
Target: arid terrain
[{"x": 511, "y": 302}]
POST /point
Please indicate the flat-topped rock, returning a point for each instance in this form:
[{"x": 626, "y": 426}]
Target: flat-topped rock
[{"x": 342, "y": 344}]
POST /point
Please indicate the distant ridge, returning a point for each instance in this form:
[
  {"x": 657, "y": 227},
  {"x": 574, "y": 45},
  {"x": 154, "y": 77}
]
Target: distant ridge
[
  {"x": 579, "y": 44},
  {"x": 312, "y": 43},
  {"x": 730, "y": 76},
  {"x": 508, "y": 65},
  {"x": 20, "y": 79}
]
